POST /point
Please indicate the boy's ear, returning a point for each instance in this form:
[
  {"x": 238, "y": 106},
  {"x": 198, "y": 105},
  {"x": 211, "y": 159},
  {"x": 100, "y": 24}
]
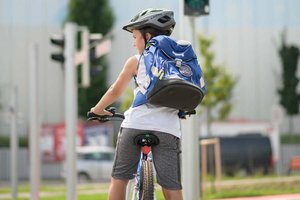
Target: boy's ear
[{"x": 148, "y": 36}]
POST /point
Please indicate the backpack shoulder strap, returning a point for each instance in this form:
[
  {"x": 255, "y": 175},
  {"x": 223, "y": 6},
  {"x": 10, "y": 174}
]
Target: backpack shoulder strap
[
  {"x": 174, "y": 49},
  {"x": 137, "y": 67}
]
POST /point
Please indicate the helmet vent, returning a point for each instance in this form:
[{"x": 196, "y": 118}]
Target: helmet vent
[
  {"x": 143, "y": 13},
  {"x": 135, "y": 18},
  {"x": 164, "y": 19}
]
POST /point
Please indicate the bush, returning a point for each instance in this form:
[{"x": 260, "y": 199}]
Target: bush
[{"x": 5, "y": 141}]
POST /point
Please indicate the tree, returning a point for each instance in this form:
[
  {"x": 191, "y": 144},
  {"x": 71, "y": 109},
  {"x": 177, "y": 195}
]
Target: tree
[
  {"x": 97, "y": 15},
  {"x": 219, "y": 84},
  {"x": 127, "y": 100},
  {"x": 289, "y": 97}
]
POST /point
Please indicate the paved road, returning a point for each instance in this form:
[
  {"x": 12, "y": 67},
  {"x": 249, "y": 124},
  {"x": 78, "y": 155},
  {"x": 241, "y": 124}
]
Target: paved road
[{"x": 273, "y": 197}]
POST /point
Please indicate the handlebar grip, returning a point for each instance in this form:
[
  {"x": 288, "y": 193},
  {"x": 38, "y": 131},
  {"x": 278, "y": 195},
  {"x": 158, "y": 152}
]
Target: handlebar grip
[
  {"x": 91, "y": 116},
  {"x": 105, "y": 118}
]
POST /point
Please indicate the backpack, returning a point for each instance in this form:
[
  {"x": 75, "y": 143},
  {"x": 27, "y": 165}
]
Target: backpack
[{"x": 174, "y": 75}]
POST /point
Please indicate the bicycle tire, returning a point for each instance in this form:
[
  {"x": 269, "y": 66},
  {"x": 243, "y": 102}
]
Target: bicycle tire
[{"x": 147, "y": 183}]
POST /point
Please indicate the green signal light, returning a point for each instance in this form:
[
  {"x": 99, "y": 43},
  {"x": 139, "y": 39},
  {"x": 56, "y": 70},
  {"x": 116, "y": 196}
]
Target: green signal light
[
  {"x": 195, "y": 4},
  {"x": 196, "y": 7}
]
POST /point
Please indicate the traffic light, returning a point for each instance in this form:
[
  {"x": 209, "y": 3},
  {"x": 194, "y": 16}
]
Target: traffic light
[
  {"x": 92, "y": 46},
  {"x": 58, "y": 40},
  {"x": 196, "y": 7}
]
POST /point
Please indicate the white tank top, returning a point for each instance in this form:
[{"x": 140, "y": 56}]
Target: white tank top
[{"x": 148, "y": 116}]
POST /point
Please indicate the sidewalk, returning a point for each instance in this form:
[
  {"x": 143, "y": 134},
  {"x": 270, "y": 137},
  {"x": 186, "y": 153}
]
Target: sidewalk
[{"x": 273, "y": 197}]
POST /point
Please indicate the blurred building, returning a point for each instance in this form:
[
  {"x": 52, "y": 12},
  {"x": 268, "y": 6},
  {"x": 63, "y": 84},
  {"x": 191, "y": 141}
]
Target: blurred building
[
  {"x": 23, "y": 23},
  {"x": 246, "y": 33}
]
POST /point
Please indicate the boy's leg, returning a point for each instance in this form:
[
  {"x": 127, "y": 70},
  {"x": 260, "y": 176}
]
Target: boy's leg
[
  {"x": 166, "y": 159},
  {"x": 117, "y": 189},
  {"x": 125, "y": 164},
  {"x": 172, "y": 194}
]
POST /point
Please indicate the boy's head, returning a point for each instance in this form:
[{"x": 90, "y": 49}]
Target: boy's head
[{"x": 153, "y": 21}]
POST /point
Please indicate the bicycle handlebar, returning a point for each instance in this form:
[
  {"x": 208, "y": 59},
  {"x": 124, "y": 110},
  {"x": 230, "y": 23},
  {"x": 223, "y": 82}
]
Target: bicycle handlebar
[
  {"x": 105, "y": 118},
  {"x": 183, "y": 114}
]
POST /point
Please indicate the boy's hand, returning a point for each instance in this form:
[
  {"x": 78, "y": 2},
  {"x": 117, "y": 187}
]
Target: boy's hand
[{"x": 101, "y": 112}]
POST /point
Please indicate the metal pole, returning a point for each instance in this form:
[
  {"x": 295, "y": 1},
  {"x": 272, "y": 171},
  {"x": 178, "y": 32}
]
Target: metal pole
[
  {"x": 190, "y": 159},
  {"x": 71, "y": 107},
  {"x": 181, "y": 20},
  {"x": 13, "y": 146},
  {"x": 190, "y": 136},
  {"x": 203, "y": 166},
  {"x": 276, "y": 119},
  {"x": 194, "y": 34},
  {"x": 34, "y": 128},
  {"x": 86, "y": 63}
]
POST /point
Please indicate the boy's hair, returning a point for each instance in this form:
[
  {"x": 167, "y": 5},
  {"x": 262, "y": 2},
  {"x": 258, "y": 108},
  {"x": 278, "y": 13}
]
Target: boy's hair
[{"x": 153, "y": 32}]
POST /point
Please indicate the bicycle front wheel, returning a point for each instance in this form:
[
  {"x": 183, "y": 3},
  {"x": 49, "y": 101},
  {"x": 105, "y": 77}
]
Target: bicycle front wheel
[{"x": 147, "y": 186}]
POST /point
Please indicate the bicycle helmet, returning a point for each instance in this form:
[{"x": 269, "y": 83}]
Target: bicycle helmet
[{"x": 160, "y": 19}]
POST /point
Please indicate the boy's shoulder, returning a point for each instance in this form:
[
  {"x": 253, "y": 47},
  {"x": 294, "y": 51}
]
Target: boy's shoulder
[{"x": 133, "y": 60}]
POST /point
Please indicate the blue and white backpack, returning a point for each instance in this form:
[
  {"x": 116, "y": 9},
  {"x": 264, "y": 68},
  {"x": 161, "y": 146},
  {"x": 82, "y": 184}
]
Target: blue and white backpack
[{"x": 175, "y": 77}]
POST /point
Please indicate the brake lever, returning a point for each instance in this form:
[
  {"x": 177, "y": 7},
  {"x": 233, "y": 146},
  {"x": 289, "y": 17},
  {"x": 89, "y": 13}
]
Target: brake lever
[{"x": 112, "y": 110}]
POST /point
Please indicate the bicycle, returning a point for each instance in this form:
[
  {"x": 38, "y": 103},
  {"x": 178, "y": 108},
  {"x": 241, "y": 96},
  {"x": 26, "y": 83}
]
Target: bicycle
[
  {"x": 143, "y": 188},
  {"x": 144, "y": 181}
]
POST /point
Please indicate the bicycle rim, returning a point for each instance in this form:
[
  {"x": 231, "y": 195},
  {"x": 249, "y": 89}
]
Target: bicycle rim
[{"x": 147, "y": 186}]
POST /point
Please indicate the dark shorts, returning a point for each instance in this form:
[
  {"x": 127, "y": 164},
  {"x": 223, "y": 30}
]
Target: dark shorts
[{"x": 166, "y": 158}]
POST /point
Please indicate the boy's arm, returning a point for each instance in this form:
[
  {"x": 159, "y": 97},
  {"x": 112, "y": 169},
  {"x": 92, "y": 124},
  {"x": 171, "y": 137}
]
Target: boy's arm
[{"x": 117, "y": 88}]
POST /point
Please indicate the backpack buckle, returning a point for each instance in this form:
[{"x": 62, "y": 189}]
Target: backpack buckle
[{"x": 178, "y": 62}]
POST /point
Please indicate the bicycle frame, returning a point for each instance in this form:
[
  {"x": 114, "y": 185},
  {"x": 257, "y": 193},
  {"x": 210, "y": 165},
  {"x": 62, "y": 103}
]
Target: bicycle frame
[{"x": 145, "y": 163}]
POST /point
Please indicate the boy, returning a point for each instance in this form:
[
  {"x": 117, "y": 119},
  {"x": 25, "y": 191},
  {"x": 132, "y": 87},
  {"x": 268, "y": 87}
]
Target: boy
[{"x": 160, "y": 121}]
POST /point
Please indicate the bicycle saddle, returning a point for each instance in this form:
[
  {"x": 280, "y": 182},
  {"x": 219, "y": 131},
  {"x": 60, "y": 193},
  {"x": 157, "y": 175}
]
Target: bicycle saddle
[{"x": 147, "y": 139}]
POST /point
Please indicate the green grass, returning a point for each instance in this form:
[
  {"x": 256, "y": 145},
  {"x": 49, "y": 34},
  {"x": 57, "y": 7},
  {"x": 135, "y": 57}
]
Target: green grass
[
  {"x": 253, "y": 186},
  {"x": 290, "y": 138},
  {"x": 228, "y": 188},
  {"x": 63, "y": 197},
  {"x": 98, "y": 191},
  {"x": 255, "y": 190}
]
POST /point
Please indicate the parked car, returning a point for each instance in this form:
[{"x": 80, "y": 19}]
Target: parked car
[
  {"x": 249, "y": 153},
  {"x": 94, "y": 163}
]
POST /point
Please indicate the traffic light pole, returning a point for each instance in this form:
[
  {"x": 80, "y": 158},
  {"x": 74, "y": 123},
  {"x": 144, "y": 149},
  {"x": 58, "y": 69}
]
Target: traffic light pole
[
  {"x": 13, "y": 145},
  {"x": 70, "y": 33},
  {"x": 34, "y": 128},
  {"x": 190, "y": 146},
  {"x": 190, "y": 133},
  {"x": 71, "y": 58}
]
